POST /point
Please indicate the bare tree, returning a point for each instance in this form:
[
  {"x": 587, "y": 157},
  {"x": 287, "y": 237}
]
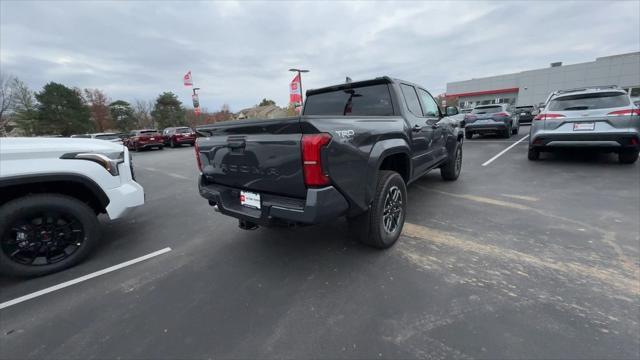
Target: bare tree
[
  {"x": 25, "y": 109},
  {"x": 142, "y": 112},
  {"x": 98, "y": 105},
  {"x": 7, "y": 100}
]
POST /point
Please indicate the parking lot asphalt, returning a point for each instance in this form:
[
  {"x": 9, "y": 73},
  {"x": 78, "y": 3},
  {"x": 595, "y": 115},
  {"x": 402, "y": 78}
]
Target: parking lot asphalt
[{"x": 517, "y": 259}]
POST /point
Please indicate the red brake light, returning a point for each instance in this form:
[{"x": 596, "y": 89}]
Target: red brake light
[
  {"x": 625, "y": 112},
  {"x": 501, "y": 114},
  {"x": 548, "y": 116},
  {"x": 197, "y": 147},
  {"x": 312, "y": 160}
]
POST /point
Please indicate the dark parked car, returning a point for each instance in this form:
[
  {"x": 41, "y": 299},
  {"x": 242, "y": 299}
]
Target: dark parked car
[
  {"x": 491, "y": 119},
  {"x": 352, "y": 153},
  {"x": 525, "y": 114},
  {"x": 177, "y": 136},
  {"x": 144, "y": 139}
]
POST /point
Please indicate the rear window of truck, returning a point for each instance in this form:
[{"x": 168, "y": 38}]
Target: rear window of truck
[
  {"x": 603, "y": 100},
  {"x": 373, "y": 100}
]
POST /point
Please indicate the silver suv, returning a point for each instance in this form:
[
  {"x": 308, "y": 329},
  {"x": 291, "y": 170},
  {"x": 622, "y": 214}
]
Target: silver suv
[{"x": 602, "y": 117}]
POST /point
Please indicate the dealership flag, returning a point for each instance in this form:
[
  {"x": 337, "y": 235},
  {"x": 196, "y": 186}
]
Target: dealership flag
[
  {"x": 188, "y": 81},
  {"x": 295, "y": 96}
]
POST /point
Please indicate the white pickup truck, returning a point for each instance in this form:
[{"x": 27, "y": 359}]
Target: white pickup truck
[{"x": 51, "y": 192}]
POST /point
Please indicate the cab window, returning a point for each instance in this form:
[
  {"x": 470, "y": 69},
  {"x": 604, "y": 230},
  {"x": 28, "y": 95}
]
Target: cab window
[{"x": 429, "y": 106}]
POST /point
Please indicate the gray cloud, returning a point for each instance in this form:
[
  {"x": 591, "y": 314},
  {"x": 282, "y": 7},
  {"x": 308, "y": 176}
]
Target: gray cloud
[{"x": 239, "y": 52}]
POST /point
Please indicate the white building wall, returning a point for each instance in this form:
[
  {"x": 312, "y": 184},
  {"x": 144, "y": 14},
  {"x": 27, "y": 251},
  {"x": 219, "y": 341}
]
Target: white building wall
[{"x": 535, "y": 85}]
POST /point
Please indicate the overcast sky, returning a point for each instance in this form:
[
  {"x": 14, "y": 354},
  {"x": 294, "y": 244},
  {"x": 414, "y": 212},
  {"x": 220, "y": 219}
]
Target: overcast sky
[{"x": 239, "y": 52}]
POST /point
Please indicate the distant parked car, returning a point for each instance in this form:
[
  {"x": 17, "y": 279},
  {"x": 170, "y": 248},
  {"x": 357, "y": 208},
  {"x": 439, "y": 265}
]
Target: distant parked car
[
  {"x": 112, "y": 137},
  {"x": 491, "y": 119},
  {"x": 525, "y": 114},
  {"x": 177, "y": 136},
  {"x": 602, "y": 118},
  {"x": 144, "y": 139}
]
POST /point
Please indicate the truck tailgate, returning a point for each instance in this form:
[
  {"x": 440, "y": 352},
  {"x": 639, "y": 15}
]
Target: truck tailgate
[{"x": 255, "y": 155}]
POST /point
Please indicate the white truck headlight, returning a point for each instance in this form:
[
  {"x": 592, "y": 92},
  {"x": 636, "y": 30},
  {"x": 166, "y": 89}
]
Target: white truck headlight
[{"x": 109, "y": 161}]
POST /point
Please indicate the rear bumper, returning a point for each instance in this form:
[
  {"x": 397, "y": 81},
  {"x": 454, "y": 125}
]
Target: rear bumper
[
  {"x": 491, "y": 127},
  {"x": 320, "y": 205},
  {"x": 149, "y": 145},
  {"x": 598, "y": 140}
]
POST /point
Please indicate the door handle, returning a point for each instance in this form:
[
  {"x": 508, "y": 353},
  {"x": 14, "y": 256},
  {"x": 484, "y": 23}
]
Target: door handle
[
  {"x": 416, "y": 128},
  {"x": 435, "y": 126}
]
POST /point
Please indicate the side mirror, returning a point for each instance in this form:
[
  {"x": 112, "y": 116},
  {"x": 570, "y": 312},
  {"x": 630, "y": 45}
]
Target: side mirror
[{"x": 451, "y": 110}]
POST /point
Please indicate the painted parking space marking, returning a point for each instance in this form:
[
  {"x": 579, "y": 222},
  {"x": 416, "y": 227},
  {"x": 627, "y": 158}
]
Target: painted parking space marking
[
  {"x": 504, "y": 151},
  {"x": 65, "y": 284}
]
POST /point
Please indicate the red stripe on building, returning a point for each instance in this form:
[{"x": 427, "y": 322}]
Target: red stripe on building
[{"x": 485, "y": 92}]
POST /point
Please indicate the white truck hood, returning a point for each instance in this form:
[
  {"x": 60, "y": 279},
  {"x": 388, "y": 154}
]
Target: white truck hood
[{"x": 12, "y": 148}]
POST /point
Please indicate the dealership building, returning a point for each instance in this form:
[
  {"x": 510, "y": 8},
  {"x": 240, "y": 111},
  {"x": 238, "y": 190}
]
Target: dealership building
[{"x": 532, "y": 87}]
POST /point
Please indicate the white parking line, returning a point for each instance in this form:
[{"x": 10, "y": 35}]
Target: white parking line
[
  {"x": 178, "y": 176},
  {"x": 504, "y": 151},
  {"x": 65, "y": 284}
]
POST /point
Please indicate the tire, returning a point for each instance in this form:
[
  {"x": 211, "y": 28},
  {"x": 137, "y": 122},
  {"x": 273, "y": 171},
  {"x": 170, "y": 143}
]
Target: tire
[
  {"x": 468, "y": 135},
  {"x": 29, "y": 208},
  {"x": 160, "y": 147},
  {"x": 172, "y": 144},
  {"x": 507, "y": 133},
  {"x": 136, "y": 147},
  {"x": 369, "y": 227},
  {"x": 628, "y": 156},
  {"x": 533, "y": 154},
  {"x": 450, "y": 171},
  {"x": 515, "y": 131}
]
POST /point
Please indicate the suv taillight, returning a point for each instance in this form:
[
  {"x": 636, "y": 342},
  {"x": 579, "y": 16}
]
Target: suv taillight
[
  {"x": 501, "y": 114},
  {"x": 548, "y": 116},
  {"x": 197, "y": 147},
  {"x": 312, "y": 145},
  {"x": 625, "y": 112}
]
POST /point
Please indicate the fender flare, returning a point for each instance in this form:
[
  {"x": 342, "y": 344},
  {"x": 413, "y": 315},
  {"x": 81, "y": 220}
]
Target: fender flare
[
  {"x": 33, "y": 179},
  {"x": 378, "y": 153}
]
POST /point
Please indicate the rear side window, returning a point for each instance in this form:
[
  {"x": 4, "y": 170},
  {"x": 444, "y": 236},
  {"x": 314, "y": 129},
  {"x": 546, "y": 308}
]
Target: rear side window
[
  {"x": 373, "y": 100},
  {"x": 107, "y": 136},
  {"x": 410, "y": 96},
  {"x": 603, "y": 100},
  {"x": 487, "y": 110},
  {"x": 148, "y": 132},
  {"x": 183, "y": 130}
]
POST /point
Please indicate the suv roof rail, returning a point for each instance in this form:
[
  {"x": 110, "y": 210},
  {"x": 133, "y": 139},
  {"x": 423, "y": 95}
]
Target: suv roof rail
[{"x": 601, "y": 87}]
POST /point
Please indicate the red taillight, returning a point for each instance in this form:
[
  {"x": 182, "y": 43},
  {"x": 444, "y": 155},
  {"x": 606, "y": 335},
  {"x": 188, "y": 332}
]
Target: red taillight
[
  {"x": 501, "y": 114},
  {"x": 197, "y": 147},
  {"x": 548, "y": 116},
  {"x": 625, "y": 112},
  {"x": 312, "y": 145}
]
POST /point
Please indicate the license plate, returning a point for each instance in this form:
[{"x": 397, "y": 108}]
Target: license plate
[
  {"x": 152, "y": 139},
  {"x": 484, "y": 121},
  {"x": 523, "y": 114},
  {"x": 583, "y": 126},
  {"x": 250, "y": 199}
]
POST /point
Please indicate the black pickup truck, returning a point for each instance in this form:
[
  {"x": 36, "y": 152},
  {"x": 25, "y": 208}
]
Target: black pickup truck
[{"x": 351, "y": 153}]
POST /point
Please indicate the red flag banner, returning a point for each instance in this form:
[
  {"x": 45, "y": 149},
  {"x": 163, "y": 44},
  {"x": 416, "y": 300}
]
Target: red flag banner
[
  {"x": 188, "y": 81},
  {"x": 295, "y": 96}
]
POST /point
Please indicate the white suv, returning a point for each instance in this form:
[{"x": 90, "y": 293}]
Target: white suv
[{"x": 51, "y": 191}]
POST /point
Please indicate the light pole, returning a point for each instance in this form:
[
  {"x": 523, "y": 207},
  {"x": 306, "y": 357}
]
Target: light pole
[{"x": 299, "y": 71}]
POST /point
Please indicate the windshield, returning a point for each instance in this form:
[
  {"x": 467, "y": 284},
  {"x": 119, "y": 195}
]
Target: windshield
[
  {"x": 183, "y": 131},
  {"x": 487, "y": 110},
  {"x": 148, "y": 131},
  {"x": 603, "y": 100},
  {"x": 373, "y": 100}
]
